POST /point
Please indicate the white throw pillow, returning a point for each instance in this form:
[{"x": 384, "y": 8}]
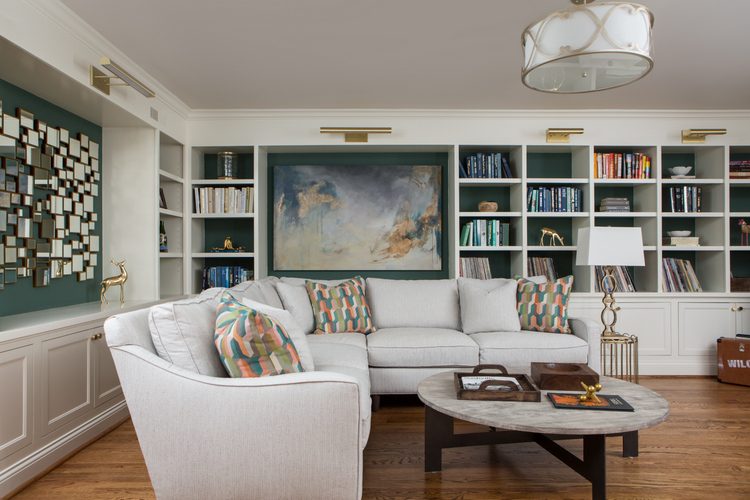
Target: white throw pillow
[
  {"x": 293, "y": 329},
  {"x": 297, "y": 302},
  {"x": 183, "y": 333},
  {"x": 262, "y": 291},
  {"x": 488, "y": 305}
]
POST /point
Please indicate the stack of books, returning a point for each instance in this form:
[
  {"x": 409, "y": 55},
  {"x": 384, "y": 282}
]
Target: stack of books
[
  {"x": 681, "y": 241},
  {"x": 739, "y": 169},
  {"x": 622, "y": 166},
  {"x": 542, "y": 266},
  {"x": 229, "y": 200},
  {"x": 554, "y": 199},
  {"x": 614, "y": 205},
  {"x": 679, "y": 276},
  {"x": 474, "y": 267},
  {"x": 622, "y": 279},
  {"x": 485, "y": 233},
  {"x": 685, "y": 198},
  {"x": 485, "y": 166},
  {"x": 225, "y": 276}
]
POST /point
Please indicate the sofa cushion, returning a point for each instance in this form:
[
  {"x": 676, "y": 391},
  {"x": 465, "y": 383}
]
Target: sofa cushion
[
  {"x": 488, "y": 305},
  {"x": 183, "y": 333},
  {"x": 516, "y": 350},
  {"x": 252, "y": 344},
  {"x": 340, "y": 308},
  {"x": 412, "y": 347},
  {"x": 285, "y": 318},
  {"x": 414, "y": 303},
  {"x": 295, "y": 299},
  {"x": 544, "y": 308},
  {"x": 262, "y": 291},
  {"x": 344, "y": 349}
]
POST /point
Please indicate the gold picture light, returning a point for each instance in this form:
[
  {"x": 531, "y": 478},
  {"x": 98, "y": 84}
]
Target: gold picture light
[
  {"x": 561, "y": 135},
  {"x": 102, "y": 82},
  {"x": 355, "y": 134},
  {"x": 698, "y": 135}
]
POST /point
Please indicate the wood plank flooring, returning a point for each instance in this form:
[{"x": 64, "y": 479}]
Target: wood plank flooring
[{"x": 702, "y": 451}]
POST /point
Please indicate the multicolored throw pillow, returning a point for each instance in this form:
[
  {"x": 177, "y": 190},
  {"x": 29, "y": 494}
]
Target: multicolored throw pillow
[
  {"x": 250, "y": 343},
  {"x": 544, "y": 307},
  {"x": 340, "y": 308}
]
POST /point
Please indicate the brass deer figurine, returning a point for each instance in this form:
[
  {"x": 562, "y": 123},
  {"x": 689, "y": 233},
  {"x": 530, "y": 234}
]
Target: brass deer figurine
[
  {"x": 553, "y": 235},
  {"x": 744, "y": 232},
  {"x": 115, "y": 280}
]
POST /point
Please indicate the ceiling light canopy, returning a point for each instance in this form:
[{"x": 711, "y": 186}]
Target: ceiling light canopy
[{"x": 588, "y": 47}]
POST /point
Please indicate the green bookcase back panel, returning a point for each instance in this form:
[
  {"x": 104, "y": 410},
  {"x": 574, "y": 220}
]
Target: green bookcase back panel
[
  {"x": 239, "y": 230},
  {"x": 534, "y": 227},
  {"x": 471, "y": 196},
  {"x": 362, "y": 159},
  {"x": 549, "y": 165},
  {"x": 740, "y": 264},
  {"x": 245, "y": 169},
  {"x": 739, "y": 199},
  {"x": 18, "y": 294},
  {"x": 678, "y": 224}
]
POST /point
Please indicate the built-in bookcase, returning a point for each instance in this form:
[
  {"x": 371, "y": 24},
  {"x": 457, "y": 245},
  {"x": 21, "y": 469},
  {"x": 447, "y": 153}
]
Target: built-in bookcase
[
  {"x": 210, "y": 230},
  {"x": 172, "y": 187},
  {"x": 739, "y": 209}
]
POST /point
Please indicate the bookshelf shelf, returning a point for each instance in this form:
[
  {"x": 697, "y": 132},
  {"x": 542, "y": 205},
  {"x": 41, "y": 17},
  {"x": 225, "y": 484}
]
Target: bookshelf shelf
[
  {"x": 624, "y": 182},
  {"x": 495, "y": 215},
  {"x": 738, "y": 248},
  {"x": 556, "y": 180},
  {"x": 489, "y": 182},
  {"x": 624, "y": 214},
  {"x": 170, "y": 213},
  {"x": 739, "y": 182},
  {"x": 223, "y": 216},
  {"x": 170, "y": 255},
  {"x": 491, "y": 249},
  {"x": 558, "y": 214},
  {"x": 689, "y": 215},
  {"x": 691, "y": 181},
  {"x": 169, "y": 177},
  {"x": 223, "y": 182},
  {"x": 702, "y": 248},
  {"x": 223, "y": 255},
  {"x": 559, "y": 248}
]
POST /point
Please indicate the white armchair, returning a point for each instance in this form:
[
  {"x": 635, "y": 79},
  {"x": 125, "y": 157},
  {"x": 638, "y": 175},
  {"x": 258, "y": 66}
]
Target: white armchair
[{"x": 288, "y": 436}]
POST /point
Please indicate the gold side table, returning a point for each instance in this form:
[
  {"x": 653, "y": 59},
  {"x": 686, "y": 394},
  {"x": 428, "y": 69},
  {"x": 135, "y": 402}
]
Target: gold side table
[{"x": 619, "y": 356}]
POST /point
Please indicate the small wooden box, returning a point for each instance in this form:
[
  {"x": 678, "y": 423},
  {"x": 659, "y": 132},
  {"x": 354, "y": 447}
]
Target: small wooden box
[
  {"x": 529, "y": 391},
  {"x": 733, "y": 356},
  {"x": 562, "y": 376}
]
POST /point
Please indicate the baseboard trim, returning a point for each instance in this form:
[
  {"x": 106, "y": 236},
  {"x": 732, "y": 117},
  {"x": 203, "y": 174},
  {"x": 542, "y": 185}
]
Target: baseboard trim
[{"x": 31, "y": 467}]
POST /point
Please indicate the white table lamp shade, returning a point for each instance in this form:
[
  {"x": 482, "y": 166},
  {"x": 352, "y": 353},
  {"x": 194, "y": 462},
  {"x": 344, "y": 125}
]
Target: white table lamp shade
[{"x": 610, "y": 246}]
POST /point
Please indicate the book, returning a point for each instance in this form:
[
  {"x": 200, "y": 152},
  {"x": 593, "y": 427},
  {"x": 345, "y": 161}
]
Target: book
[
  {"x": 607, "y": 402},
  {"x": 485, "y": 233},
  {"x": 229, "y": 200},
  {"x": 542, "y": 266},
  {"x": 622, "y": 166},
  {"x": 623, "y": 279},
  {"x": 679, "y": 276},
  {"x": 485, "y": 166},
  {"x": 680, "y": 241},
  {"x": 554, "y": 199},
  {"x": 474, "y": 267},
  {"x": 225, "y": 276}
]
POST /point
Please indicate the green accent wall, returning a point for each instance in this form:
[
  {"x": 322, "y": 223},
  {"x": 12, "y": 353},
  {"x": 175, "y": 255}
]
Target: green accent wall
[
  {"x": 362, "y": 159},
  {"x": 21, "y": 297}
]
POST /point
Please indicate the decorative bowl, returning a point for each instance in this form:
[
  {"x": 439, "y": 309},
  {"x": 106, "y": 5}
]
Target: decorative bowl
[
  {"x": 679, "y": 234},
  {"x": 488, "y": 206},
  {"x": 680, "y": 170}
]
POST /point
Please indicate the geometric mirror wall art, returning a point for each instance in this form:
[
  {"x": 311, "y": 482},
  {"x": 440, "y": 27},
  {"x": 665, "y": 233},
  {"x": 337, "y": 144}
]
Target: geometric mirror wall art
[{"x": 49, "y": 177}]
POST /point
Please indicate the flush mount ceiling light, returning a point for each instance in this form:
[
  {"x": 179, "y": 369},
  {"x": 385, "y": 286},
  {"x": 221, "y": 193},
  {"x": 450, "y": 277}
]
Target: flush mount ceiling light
[
  {"x": 103, "y": 82},
  {"x": 588, "y": 47}
]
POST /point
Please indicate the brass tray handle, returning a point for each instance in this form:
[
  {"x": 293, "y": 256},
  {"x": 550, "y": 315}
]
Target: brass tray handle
[{"x": 499, "y": 368}]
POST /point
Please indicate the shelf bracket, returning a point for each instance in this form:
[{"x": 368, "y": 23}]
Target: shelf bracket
[
  {"x": 698, "y": 135},
  {"x": 355, "y": 134},
  {"x": 561, "y": 135}
]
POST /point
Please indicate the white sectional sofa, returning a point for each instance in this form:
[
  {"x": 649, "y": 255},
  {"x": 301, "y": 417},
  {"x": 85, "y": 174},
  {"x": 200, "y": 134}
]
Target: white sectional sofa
[{"x": 302, "y": 435}]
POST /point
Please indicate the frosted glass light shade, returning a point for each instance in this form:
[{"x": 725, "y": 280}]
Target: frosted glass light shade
[
  {"x": 610, "y": 246},
  {"x": 589, "y": 47}
]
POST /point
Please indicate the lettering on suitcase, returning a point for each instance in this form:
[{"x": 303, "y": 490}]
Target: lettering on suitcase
[{"x": 738, "y": 363}]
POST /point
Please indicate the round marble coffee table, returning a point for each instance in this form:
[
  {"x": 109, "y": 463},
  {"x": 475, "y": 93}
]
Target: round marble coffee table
[{"x": 516, "y": 422}]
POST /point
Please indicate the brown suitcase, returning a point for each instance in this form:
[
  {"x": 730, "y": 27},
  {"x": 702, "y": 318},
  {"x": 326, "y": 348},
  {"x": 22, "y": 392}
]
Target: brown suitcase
[{"x": 733, "y": 356}]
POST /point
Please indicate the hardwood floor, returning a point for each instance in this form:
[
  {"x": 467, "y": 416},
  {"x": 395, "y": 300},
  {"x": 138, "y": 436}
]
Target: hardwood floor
[{"x": 702, "y": 451}]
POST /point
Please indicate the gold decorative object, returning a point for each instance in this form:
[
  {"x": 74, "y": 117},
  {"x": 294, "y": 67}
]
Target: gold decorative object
[
  {"x": 114, "y": 280},
  {"x": 591, "y": 391},
  {"x": 228, "y": 246},
  {"x": 561, "y": 135},
  {"x": 553, "y": 237},
  {"x": 698, "y": 135},
  {"x": 488, "y": 206},
  {"x": 355, "y": 134}
]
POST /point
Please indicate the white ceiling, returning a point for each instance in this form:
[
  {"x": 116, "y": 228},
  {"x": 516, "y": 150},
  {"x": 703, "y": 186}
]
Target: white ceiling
[{"x": 432, "y": 54}]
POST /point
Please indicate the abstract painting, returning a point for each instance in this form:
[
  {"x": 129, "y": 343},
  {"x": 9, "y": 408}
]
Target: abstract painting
[{"x": 337, "y": 217}]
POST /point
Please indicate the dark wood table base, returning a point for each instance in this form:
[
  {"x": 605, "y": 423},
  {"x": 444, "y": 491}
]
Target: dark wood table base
[{"x": 439, "y": 434}]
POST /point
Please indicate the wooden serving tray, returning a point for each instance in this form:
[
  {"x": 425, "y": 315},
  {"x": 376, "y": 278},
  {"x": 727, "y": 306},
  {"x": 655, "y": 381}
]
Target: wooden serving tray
[
  {"x": 562, "y": 376},
  {"x": 529, "y": 391}
]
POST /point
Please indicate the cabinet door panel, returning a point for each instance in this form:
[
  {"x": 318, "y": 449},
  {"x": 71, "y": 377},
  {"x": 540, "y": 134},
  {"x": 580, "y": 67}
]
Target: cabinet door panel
[
  {"x": 743, "y": 317},
  {"x": 701, "y": 324},
  {"x": 107, "y": 384},
  {"x": 650, "y": 322},
  {"x": 66, "y": 376},
  {"x": 15, "y": 399}
]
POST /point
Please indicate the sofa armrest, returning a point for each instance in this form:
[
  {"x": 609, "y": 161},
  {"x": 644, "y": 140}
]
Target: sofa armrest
[
  {"x": 590, "y": 331},
  {"x": 269, "y": 437}
]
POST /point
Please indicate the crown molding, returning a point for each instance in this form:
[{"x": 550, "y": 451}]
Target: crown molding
[
  {"x": 250, "y": 114},
  {"x": 77, "y": 28}
]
